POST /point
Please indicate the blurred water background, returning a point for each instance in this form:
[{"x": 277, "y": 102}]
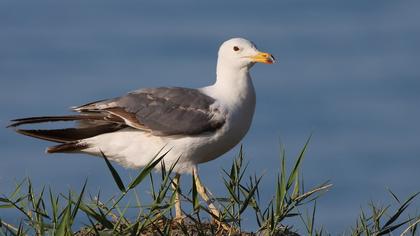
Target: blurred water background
[{"x": 347, "y": 71}]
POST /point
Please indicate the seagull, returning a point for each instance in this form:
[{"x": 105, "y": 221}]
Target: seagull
[{"x": 192, "y": 125}]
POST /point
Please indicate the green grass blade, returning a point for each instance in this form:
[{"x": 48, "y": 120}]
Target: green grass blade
[
  {"x": 145, "y": 171},
  {"x": 281, "y": 187},
  {"x": 313, "y": 219},
  {"x": 296, "y": 187},
  {"x": 7, "y": 203},
  {"x": 114, "y": 173},
  {"x": 101, "y": 218},
  {"x": 249, "y": 197},
  {"x": 400, "y": 210},
  {"x": 18, "y": 188},
  {"x": 54, "y": 207},
  {"x": 64, "y": 225},
  {"x": 16, "y": 206},
  {"x": 231, "y": 192},
  {"x": 79, "y": 200},
  {"x": 62, "y": 228},
  {"x": 394, "y": 196},
  {"x": 20, "y": 229},
  {"x": 93, "y": 226},
  {"x": 389, "y": 229},
  {"x": 295, "y": 171}
]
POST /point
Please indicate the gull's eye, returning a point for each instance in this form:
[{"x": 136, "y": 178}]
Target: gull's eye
[{"x": 235, "y": 49}]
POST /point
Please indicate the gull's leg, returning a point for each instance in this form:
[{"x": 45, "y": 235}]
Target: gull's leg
[
  {"x": 175, "y": 186},
  {"x": 203, "y": 193}
]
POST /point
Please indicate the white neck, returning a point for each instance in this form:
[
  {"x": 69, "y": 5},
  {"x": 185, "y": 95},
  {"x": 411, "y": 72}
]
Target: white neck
[{"x": 232, "y": 85}]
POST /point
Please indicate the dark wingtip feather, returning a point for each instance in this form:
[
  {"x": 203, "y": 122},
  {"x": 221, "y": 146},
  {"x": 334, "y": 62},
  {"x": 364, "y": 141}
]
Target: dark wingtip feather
[
  {"x": 41, "y": 134},
  {"x": 43, "y": 119},
  {"x": 70, "y": 134},
  {"x": 15, "y": 122},
  {"x": 67, "y": 147},
  {"x": 30, "y": 120}
]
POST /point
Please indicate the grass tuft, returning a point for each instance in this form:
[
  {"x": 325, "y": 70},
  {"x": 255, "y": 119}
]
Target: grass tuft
[{"x": 47, "y": 213}]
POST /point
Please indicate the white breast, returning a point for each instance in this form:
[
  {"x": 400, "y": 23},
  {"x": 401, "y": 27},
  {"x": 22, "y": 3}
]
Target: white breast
[{"x": 237, "y": 100}]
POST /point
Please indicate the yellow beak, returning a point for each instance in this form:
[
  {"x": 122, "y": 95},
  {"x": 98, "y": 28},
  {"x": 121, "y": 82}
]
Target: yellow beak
[{"x": 263, "y": 57}]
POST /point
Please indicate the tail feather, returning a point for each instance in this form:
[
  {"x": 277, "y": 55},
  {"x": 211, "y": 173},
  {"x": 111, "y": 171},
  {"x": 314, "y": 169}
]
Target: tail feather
[
  {"x": 43, "y": 119},
  {"x": 71, "y": 139},
  {"x": 70, "y": 134},
  {"x": 68, "y": 147}
]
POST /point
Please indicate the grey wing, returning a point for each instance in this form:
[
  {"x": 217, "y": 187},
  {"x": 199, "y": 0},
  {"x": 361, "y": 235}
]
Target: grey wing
[{"x": 163, "y": 111}]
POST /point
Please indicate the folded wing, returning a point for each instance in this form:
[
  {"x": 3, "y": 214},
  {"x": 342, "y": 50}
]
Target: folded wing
[{"x": 162, "y": 111}]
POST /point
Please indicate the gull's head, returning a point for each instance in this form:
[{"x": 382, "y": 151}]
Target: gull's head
[{"x": 241, "y": 53}]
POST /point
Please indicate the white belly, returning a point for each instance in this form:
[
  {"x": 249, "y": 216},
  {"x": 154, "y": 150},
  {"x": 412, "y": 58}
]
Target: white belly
[{"x": 133, "y": 148}]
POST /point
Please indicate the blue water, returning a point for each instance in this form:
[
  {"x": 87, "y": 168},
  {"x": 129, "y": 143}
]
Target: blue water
[{"x": 348, "y": 72}]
